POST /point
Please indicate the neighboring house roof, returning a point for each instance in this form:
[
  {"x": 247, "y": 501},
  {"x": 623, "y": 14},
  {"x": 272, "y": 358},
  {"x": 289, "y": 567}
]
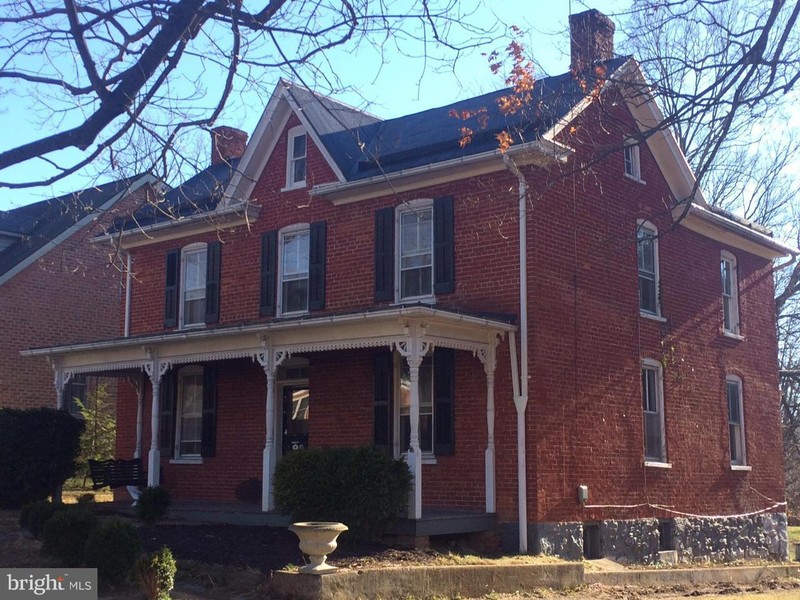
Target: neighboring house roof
[{"x": 40, "y": 226}]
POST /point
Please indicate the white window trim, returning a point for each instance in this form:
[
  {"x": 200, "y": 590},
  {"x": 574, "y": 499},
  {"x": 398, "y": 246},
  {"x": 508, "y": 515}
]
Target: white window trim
[
  {"x": 636, "y": 163},
  {"x": 649, "y": 363},
  {"x": 291, "y": 184},
  {"x": 190, "y": 249},
  {"x": 407, "y": 207},
  {"x": 289, "y": 230},
  {"x": 735, "y": 331},
  {"x": 190, "y": 371},
  {"x": 736, "y": 380},
  {"x": 644, "y": 225}
]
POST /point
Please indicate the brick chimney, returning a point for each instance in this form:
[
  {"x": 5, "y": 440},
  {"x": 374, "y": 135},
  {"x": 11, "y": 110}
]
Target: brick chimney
[
  {"x": 227, "y": 143},
  {"x": 591, "y": 39}
]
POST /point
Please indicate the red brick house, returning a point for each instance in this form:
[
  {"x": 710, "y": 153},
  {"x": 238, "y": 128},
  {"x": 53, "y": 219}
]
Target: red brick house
[
  {"x": 566, "y": 343},
  {"x": 56, "y": 286}
]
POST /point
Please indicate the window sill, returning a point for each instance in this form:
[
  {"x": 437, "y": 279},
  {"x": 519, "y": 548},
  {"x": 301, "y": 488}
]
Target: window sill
[
  {"x": 652, "y": 317},
  {"x": 186, "y": 461},
  {"x": 732, "y": 336},
  {"x": 297, "y": 313},
  {"x": 657, "y": 464},
  {"x": 427, "y": 458},
  {"x": 417, "y": 300},
  {"x": 635, "y": 179},
  {"x": 294, "y": 186},
  {"x": 741, "y": 468},
  {"x": 192, "y": 326}
]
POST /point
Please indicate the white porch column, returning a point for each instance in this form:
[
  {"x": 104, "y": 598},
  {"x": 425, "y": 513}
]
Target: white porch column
[
  {"x": 138, "y": 386},
  {"x": 488, "y": 358},
  {"x": 414, "y": 350},
  {"x": 269, "y": 361},
  {"x": 155, "y": 370}
]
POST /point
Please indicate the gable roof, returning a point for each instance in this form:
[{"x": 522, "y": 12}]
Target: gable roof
[{"x": 42, "y": 225}]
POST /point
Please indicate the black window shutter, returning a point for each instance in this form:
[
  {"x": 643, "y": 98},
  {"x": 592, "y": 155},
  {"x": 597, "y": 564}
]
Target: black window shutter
[
  {"x": 443, "y": 246},
  {"x": 213, "y": 264},
  {"x": 316, "y": 266},
  {"x": 269, "y": 267},
  {"x": 208, "y": 438},
  {"x": 444, "y": 401},
  {"x": 171, "y": 288},
  {"x": 384, "y": 254},
  {"x": 382, "y": 429},
  {"x": 167, "y": 414}
]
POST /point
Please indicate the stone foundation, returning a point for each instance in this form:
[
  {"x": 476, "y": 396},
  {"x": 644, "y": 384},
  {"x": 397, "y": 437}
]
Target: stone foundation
[{"x": 637, "y": 541}]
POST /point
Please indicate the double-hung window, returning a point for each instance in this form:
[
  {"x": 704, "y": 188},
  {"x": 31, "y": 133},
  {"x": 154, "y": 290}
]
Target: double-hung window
[
  {"x": 647, "y": 258},
  {"x": 733, "y": 389},
  {"x": 293, "y": 269},
  {"x": 730, "y": 293},
  {"x": 193, "y": 285},
  {"x": 187, "y": 414},
  {"x": 188, "y": 436},
  {"x": 415, "y": 251},
  {"x": 296, "y": 157},
  {"x": 294, "y": 250},
  {"x": 653, "y": 411}
]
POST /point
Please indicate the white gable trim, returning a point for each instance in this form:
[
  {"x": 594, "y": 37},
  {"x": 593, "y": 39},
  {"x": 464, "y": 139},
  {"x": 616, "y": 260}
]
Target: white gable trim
[
  {"x": 261, "y": 146},
  {"x": 50, "y": 245}
]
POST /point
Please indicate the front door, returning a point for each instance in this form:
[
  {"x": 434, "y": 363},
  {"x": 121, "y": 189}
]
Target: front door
[{"x": 295, "y": 417}]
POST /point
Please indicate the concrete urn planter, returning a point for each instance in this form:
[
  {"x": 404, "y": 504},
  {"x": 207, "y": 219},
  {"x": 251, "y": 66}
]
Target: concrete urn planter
[{"x": 317, "y": 540}]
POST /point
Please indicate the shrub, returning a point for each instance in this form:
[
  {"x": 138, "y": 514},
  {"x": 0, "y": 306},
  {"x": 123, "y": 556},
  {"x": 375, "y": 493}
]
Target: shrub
[
  {"x": 36, "y": 514},
  {"x": 37, "y": 453},
  {"x": 249, "y": 491},
  {"x": 360, "y": 487},
  {"x": 65, "y": 534},
  {"x": 156, "y": 574},
  {"x": 112, "y": 549},
  {"x": 153, "y": 504}
]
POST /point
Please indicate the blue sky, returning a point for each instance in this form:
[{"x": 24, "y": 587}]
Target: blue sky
[{"x": 401, "y": 85}]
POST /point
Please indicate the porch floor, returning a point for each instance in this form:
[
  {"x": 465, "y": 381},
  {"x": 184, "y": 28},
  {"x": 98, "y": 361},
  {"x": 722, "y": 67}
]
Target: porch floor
[{"x": 434, "y": 521}]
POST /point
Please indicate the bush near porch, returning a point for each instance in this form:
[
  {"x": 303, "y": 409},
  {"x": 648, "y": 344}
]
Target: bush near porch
[
  {"x": 361, "y": 487},
  {"x": 38, "y": 451}
]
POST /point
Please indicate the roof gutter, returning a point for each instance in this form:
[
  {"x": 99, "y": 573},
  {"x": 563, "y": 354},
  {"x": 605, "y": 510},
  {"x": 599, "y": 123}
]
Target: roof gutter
[
  {"x": 221, "y": 218},
  {"x": 540, "y": 152},
  {"x": 775, "y": 247}
]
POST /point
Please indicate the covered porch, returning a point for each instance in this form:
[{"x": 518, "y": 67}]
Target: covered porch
[{"x": 410, "y": 334}]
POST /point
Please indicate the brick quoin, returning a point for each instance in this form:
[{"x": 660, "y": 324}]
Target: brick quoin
[{"x": 587, "y": 340}]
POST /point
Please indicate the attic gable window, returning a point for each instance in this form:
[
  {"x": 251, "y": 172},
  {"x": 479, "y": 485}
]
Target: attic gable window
[
  {"x": 633, "y": 168},
  {"x": 296, "y": 155}
]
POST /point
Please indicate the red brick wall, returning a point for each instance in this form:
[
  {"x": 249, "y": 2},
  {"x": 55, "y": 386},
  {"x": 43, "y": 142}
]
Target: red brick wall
[
  {"x": 587, "y": 340},
  {"x": 71, "y": 294}
]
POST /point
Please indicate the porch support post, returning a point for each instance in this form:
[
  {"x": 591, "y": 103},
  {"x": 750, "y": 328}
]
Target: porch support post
[
  {"x": 488, "y": 358},
  {"x": 269, "y": 361},
  {"x": 155, "y": 370},
  {"x": 60, "y": 380},
  {"x": 414, "y": 350},
  {"x": 138, "y": 385}
]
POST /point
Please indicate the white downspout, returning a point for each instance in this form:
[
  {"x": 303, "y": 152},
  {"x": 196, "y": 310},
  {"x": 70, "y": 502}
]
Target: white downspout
[
  {"x": 521, "y": 388},
  {"x": 128, "y": 280}
]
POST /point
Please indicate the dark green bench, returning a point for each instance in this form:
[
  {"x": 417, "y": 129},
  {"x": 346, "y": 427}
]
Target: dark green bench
[{"x": 117, "y": 473}]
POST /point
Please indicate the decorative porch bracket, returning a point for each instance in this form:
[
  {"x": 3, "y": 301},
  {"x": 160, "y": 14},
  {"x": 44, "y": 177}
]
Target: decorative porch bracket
[
  {"x": 155, "y": 370},
  {"x": 413, "y": 349},
  {"x": 488, "y": 357},
  {"x": 61, "y": 378},
  {"x": 269, "y": 359}
]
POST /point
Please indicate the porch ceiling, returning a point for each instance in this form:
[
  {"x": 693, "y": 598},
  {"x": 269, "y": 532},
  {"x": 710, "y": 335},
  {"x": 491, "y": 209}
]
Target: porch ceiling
[{"x": 387, "y": 327}]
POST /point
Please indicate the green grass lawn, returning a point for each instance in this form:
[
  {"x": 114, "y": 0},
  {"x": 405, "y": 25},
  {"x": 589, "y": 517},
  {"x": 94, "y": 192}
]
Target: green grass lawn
[{"x": 794, "y": 535}]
